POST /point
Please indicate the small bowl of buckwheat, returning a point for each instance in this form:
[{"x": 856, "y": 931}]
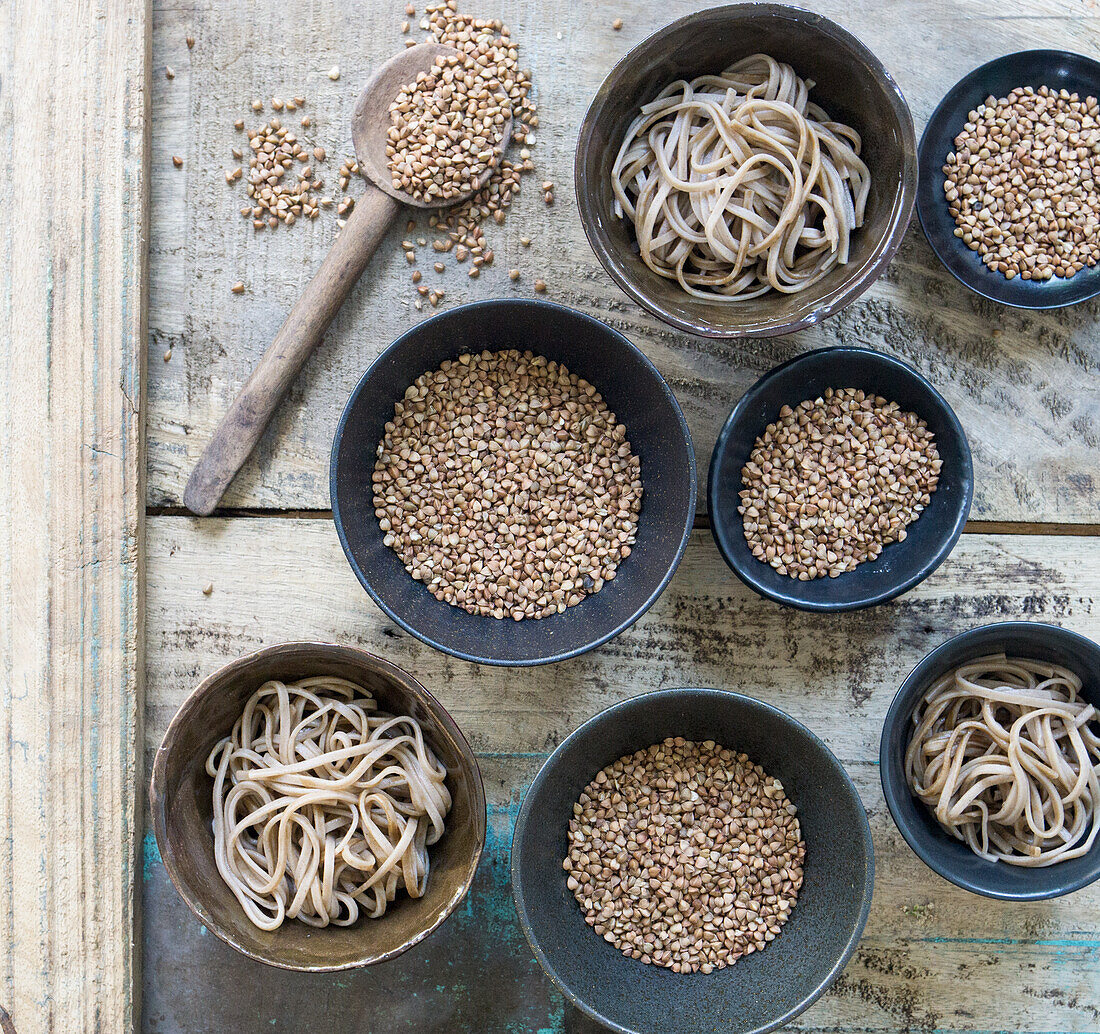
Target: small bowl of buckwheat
[
  {"x": 692, "y": 860},
  {"x": 513, "y": 482},
  {"x": 840, "y": 480},
  {"x": 1009, "y": 194}
]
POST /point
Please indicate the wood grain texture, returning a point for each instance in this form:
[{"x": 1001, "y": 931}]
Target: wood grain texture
[
  {"x": 251, "y": 411},
  {"x": 74, "y": 116},
  {"x": 933, "y": 957},
  {"x": 1024, "y": 384}
]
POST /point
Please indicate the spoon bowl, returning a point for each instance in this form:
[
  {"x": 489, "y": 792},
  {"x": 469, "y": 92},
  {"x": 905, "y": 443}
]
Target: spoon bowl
[{"x": 370, "y": 123}]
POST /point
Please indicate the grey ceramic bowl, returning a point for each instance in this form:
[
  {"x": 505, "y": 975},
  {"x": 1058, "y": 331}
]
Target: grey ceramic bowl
[
  {"x": 1057, "y": 69},
  {"x": 901, "y": 565},
  {"x": 182, "y": 807},
  {"x": 641, "y": 400},
  {"x": 763, "y": 990},
  {"x": 851, "y": 85},
  {"x": 942, "y": 853}
]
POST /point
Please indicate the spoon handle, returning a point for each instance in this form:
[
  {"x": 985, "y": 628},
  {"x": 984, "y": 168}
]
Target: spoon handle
[{"x": 241, "y": 427}]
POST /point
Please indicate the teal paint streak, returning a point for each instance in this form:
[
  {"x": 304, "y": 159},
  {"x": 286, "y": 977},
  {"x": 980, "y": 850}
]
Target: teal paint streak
[
  {"x": 494, "y": 913},
  {"x": 556, "y": 1016},
  {"x": 150, "y": 855},
  {"x": 1091, "y": 945}
]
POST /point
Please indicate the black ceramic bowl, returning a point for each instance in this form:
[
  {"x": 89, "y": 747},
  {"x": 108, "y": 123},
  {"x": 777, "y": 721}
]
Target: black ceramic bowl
[
  {"x": 851, "y": 84},
  {"x": 1053, "y": 68},
  {"x": 762, "y": 991},
  {"x": 632, "y": 388},
  {"x": 951, "y": 858},
  {"x": 901, "y": 565}
]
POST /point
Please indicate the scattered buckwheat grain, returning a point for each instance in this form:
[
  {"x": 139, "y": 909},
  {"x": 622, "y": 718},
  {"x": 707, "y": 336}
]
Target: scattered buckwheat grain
[{"x": 277, "y": 193}]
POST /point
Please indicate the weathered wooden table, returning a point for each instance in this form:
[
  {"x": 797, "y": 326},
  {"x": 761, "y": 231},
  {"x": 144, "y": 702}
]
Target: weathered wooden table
[{"x": 1025, "y": 385}]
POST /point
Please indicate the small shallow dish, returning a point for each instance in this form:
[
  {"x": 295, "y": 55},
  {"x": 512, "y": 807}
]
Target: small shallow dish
[
  {"x": 761, "y": 991},
  {"x": 631, "y": 387},
  {"x": 180, "y": 798},
  {"x": 851, "y": 85},
  {"x": 901, "y": 565},
  {"x": 941, "y": 852},
  {"x": 1053, "y": 68}
]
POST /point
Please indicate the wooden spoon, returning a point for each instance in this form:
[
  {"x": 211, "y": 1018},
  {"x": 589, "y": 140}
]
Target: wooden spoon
[{"x": 305, "y": 326}]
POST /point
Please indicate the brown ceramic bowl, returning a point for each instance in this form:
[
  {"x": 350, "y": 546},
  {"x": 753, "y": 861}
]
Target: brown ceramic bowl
[
  {"x": 851, "y": 85},
  {"x": 180, "y": 798}
]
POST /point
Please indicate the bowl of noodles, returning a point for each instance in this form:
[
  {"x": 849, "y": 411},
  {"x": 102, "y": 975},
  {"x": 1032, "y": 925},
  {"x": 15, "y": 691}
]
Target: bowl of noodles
[
  {"x": 316, "y": 807},
  {"x": 748, "y": 170},
  {"x": 990, "y": 761}
]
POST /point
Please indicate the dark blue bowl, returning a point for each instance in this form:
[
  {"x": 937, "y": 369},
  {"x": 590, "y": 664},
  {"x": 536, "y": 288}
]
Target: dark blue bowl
[
  {"x": 1054, "y": 68},
  {"x": 762, "y": 991},
  {"x": 631, "y": 386},
  {"x": 901, "y": 565},
  {"x": 951, "y": 858}
]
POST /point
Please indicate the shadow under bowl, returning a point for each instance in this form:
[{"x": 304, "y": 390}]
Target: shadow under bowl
[
  {"x": 631, "y": 387},
  {"x": 900, "y": 565},
  {"x": 940, "y": 851},
  {"x": 761, "y": 991},
  {"x": 1057, "y": 69},
  {"x": 851, "y": 84},
  {"x": 180, "y": 798}
]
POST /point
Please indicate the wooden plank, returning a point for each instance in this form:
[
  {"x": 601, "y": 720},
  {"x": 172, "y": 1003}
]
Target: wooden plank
[
  {"x": 74, "y": 112},
  {"x": 1024, "y": 384},
  {"x": 276, "y": 579},
  {"x": 929, "y": 959},
  {"x": 932, "y": 958}
]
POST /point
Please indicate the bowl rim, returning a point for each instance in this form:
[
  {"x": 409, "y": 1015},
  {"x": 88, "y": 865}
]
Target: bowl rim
[
  {"x": 188, "y": 710},
  {"x": 562, "y": 655},
  {"x": 721, "y": 529},
  {"x": 899, "y": 712},
  {"x": 641, "y": 701},
  {"x": 926, "y": 218},
  {"x": 904, "y": 201}
]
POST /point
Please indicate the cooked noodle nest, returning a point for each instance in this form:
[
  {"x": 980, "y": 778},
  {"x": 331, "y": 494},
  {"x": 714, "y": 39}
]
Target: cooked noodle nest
[
  {"x": 324, "y": 806},
  {"x": 1006, "y": 754},
  {"x": 737, "y": 184}
]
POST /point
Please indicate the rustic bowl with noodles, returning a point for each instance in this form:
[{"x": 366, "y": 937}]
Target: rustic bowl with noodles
[
  {"x": 853, "y": 87},
  {"x": 180, "y": 798},
  {"x": 940, "y": 851}
]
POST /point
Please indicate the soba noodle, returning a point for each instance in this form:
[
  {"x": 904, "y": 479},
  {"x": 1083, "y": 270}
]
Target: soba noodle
[
  {"x": 324, "y": 806},
  {"x": 1005, "y": 754},
  {"x": 737, "y": 184}
]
